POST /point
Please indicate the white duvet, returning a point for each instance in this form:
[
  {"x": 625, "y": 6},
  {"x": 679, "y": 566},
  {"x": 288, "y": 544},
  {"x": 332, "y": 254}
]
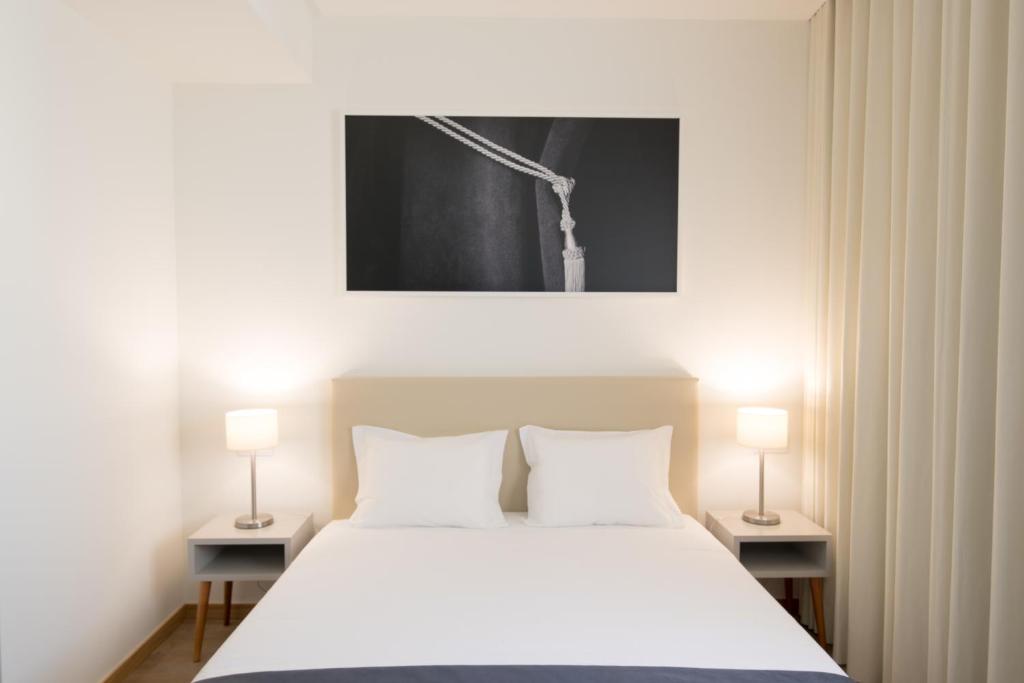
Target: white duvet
[{"x": 517, "y": 595}]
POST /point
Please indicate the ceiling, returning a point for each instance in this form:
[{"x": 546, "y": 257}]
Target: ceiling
[
  {"x": 212, "y": 41},
  {"x": 754, "y": 10},
  {"x": 271, "y": 41}
]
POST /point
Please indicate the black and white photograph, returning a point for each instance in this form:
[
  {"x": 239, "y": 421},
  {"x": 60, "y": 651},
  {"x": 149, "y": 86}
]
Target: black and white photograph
[{"x": 511, "y": 204}]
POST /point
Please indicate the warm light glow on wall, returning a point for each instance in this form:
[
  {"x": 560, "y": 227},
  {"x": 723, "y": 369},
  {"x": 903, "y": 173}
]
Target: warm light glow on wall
[
  {"x": 743, "y": 375},
  {"x": 263, "y": 367},
  {"x": 263, "y": 379}
]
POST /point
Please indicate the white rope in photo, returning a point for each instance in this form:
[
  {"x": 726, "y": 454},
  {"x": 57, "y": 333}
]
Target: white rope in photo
[{"x": 572, "y": 253}]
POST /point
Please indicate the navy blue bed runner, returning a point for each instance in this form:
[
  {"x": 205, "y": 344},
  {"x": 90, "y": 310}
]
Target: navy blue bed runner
[{"x": 529, "y": 674}]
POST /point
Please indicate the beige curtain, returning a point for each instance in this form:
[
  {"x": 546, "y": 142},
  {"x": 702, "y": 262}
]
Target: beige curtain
[{"x": 915, "y": 387}]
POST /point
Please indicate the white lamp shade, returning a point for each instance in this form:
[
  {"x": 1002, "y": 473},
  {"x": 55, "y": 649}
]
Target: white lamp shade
[
  {"x": 762, "y": 428},
  {"x": 251, "y": 430}
]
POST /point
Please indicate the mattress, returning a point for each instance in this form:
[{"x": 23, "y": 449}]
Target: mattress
[{"x": 518, "y": 597}]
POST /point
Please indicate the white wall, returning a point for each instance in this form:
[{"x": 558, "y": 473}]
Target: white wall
[
  {"x": 263, "y": 323},
  {"x": 90, "y": 486}
]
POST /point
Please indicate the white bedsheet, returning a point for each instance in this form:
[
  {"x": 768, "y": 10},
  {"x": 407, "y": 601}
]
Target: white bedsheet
[{"x": 517, "y": 595}]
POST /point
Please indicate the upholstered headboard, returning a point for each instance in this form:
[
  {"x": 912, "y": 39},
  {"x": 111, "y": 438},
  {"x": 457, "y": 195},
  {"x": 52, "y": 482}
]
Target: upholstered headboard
[{"x": 430, "y": 406}]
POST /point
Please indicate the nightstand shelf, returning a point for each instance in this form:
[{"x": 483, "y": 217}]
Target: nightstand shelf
[
  {"x": 239, "y": 562},
  {"x": 796, "y": 548},
  {"x": 221, "y": 552},
  {"x": 785, "y": 560}
]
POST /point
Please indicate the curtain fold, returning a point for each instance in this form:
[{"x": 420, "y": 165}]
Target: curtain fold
[
  {"x": 915, "y": 384},
  {"x": 1006, "y": 617}
]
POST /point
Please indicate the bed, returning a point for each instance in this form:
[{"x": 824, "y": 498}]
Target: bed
[{"x": 519, "y": 603}]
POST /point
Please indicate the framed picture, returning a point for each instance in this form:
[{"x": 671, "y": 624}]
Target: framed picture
[{"x": 511, "y": 204}]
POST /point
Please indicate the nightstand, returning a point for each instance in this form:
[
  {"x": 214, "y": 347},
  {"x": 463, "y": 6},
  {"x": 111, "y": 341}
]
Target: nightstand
[
  {"x": 221, "y": 552},
  {"x": 796, "y": 548}
]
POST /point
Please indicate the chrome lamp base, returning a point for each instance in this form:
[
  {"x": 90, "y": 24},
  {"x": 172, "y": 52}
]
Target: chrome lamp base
[
  {"x": 766, "y": 518},
  {"x": 257, "y": 522},
  {"x": 760, "y": 515}
]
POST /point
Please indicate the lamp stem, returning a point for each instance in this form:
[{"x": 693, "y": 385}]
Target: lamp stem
[
  {"x": 761, "y": 485},
  {"x": 252, "y": 465},
  {"x": 760, "y": 515},
  {"x": 253, "y": 520}
]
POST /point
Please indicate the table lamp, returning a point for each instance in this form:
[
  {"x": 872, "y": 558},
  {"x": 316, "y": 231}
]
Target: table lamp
[
  {"x": 249, "y": 431},
  {"x": 763, "y": 429}
]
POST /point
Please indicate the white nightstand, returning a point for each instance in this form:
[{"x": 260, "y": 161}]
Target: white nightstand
[
  {"x": 796, "y": 548},
  {"x": 221, "y": 552}
]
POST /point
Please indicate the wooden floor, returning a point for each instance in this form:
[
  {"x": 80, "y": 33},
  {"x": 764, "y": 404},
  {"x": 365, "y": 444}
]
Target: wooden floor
[{"x": 172, "y": 661}]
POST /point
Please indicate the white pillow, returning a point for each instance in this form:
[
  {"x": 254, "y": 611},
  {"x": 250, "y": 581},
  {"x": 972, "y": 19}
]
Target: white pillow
[
  {"x": 583, "y": 478},
  {"x": 406, "y": 480}
]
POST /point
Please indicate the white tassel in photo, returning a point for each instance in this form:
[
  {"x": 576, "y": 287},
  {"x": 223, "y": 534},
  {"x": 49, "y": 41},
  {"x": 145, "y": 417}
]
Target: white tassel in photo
[
  {"x": 575, "y": 271},
  {"x": 572, "y": 254}
]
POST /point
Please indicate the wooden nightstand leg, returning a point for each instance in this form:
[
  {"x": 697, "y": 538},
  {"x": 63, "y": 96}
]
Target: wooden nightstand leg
[
  {"x": 227, "y": 602},
  {"x": 819, "y": 610},
  {"x": 789, "y": 596},
  {"x": 204, "y": 603}
]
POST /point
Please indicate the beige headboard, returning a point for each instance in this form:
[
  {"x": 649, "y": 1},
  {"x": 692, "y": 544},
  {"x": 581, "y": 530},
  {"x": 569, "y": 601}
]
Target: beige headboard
[{"x": 430, "y": 406}]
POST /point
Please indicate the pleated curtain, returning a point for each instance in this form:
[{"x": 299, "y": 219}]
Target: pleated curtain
[{"x": 914, "y": 410}]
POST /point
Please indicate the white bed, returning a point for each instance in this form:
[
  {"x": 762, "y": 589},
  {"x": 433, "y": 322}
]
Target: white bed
[
  {"x": 358, "y": 603},
  {"x": 517, "y": 595}
]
